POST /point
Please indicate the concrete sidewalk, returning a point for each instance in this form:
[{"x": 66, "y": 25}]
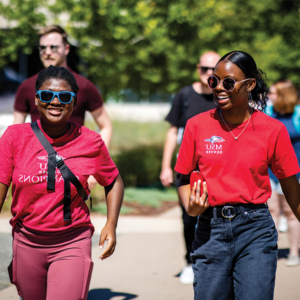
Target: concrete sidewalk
[{"x": 147, "y": 260}]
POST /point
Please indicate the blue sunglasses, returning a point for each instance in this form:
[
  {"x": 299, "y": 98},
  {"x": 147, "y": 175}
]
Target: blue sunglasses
[{"x": 64, "y": 97}]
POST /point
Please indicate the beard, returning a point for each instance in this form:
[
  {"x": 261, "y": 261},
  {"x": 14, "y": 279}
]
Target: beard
[{"x": 56, "y": 61}]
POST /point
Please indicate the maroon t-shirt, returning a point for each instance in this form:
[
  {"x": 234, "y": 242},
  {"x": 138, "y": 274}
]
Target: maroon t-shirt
[{"x": 88, "y": 98}]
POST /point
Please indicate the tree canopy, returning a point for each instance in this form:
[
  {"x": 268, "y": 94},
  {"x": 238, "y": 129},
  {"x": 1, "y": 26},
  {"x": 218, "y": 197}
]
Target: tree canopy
[{"x": 153, "y": 45}]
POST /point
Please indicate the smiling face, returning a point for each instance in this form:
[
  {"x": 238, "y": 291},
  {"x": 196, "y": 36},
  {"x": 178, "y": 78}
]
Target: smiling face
[
  {"x": 56, "y": 56},
  {"x": 55, "y": 113},
  {"x": 238, "y": 97}
]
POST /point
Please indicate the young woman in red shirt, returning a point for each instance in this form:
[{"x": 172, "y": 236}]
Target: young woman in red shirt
[
  {"x": 235, "y": 246},
  {"x": 51, "y": 224}
]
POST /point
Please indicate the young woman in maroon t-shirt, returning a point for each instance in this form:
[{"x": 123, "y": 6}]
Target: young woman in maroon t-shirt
[
  {"x": 52, "y": 240},
  {"x": 235, "y": 247}
]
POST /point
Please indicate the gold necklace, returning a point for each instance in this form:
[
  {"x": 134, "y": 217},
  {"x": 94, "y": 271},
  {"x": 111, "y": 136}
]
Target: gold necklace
[{"x": 236, "y": 137}]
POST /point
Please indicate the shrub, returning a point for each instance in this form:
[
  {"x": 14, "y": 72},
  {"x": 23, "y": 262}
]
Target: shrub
[{"x": 140, "y": 166}]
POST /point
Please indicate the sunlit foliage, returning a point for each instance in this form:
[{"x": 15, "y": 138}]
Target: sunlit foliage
[{"x": 153, "y": 45}]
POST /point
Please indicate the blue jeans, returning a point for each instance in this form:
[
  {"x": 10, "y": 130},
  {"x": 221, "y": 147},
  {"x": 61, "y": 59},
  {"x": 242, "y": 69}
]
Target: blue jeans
[{"x": 237, "y": 258}]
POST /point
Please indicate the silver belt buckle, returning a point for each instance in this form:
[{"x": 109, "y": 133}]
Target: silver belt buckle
[{"x": 225, "y": 208}]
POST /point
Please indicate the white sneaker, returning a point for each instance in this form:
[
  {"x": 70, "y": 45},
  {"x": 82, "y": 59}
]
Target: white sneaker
[
  {"x": 283, "y": 225},
  {"x": 187, "y": 275},
  {"x": 292, "y": 261}
]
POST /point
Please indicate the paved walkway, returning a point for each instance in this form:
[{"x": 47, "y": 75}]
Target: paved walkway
[{"x": 148, "y": 258}]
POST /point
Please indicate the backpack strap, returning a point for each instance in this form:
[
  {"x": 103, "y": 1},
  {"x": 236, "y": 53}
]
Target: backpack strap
[{"x": 54, "y": 160}]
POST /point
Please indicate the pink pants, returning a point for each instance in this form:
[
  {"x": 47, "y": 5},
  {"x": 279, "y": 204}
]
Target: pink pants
[{"x": 52, "y": 266}]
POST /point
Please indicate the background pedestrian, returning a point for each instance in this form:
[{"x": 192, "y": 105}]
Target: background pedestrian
[{"x": 190, "y": 101}]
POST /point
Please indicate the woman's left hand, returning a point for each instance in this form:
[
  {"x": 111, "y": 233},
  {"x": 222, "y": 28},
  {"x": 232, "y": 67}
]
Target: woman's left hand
[
  {"x": 193, "y": 203},
  {"x": 108, "y": 234},
  {"x": 198, "y": 204}
]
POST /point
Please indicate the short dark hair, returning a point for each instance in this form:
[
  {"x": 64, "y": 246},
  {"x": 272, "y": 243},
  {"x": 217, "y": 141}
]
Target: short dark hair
[
  {"x": 57, "y": 73},
  {"x": 54, "y": 28},
  {"x": 247, "y": 64}
]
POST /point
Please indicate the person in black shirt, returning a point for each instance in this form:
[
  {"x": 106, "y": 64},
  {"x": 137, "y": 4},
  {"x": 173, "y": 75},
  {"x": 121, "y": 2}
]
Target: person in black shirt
[{"x": 190, "y": 101}]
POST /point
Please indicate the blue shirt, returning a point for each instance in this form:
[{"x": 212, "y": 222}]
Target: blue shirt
[{"x": 287, "y": 120}]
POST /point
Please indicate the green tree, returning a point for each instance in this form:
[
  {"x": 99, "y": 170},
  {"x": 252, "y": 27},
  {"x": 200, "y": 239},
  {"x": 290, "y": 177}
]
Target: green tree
[{"x": 153, "y": 45}]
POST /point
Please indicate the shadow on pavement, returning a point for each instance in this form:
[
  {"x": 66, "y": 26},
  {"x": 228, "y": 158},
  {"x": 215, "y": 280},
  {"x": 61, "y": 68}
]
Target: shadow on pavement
[{"x": 107, "y": 294}]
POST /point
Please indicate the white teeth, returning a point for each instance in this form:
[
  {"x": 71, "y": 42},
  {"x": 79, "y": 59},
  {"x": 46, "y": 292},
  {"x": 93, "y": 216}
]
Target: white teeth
[{"x": 223, "y": 97}]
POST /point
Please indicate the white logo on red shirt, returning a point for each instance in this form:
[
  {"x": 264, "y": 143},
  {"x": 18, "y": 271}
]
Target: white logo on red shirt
[
  {"x": 43, "y": 172},
  {"x": 213, "y": 148},
  {"x": 43, "y": 157}
]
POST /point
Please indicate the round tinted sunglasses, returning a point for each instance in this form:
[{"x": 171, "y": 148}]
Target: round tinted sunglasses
[
  {"x": 43, "y": 48},
  {"x": 64, "y": 97},
  {"x": 228, "y": 83}
]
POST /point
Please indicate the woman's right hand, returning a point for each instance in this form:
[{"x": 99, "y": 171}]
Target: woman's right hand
[
  {"x": 197, "y": 205},
  {"x": 108, "y": 234}
]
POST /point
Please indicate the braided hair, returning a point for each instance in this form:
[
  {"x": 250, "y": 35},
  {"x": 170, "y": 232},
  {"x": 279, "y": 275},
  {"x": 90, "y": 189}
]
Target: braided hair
[
  {"x": 247, "y": 64},
  {"x": 53, "y": 72}
]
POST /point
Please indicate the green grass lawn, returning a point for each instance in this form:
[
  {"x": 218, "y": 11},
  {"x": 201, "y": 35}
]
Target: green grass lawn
[
  {"x": 152, "y": 198},
  {"x": 128, "y": 135},
  {"x": 149, "y": 197}
]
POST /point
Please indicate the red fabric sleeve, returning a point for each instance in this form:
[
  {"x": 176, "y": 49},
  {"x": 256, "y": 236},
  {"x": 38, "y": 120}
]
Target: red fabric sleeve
[
  {"x": 6, "y": 156},
  {"x": 284, "y": 162},
  {"x": 105, "y": 169},
  {"x": 93, "y": 97},
  {"x": 187, "y": 159},
  {"x": 21, "y": 101}
]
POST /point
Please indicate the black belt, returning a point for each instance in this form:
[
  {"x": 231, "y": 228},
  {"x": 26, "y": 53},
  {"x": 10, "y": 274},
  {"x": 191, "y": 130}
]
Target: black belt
[{"x": 230, "y": 211}]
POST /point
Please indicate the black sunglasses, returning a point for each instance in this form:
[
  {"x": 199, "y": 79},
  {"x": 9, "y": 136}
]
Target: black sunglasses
[
  {"x": 204, "y": 69},
  {"x": 228, "y": 83},
  {"x": 42, "y": 48},
  {"x": 64, "y": 97}
]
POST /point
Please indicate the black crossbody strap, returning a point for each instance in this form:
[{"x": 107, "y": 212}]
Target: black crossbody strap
[
  {"x": 66, "y": 173},
  {"x": 51, "y": 155},
  {"x": 67, "y": 191}
]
